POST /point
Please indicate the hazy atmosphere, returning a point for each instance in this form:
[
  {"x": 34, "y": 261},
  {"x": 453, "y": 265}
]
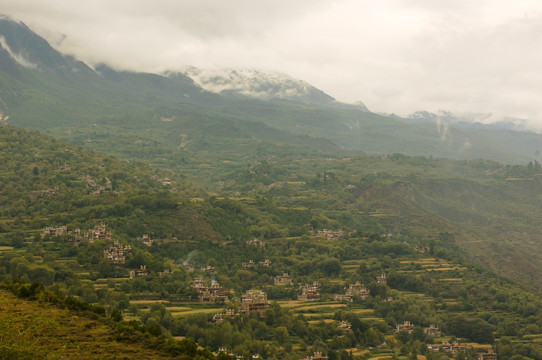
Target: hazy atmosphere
[{"x": 395, "y": 56}]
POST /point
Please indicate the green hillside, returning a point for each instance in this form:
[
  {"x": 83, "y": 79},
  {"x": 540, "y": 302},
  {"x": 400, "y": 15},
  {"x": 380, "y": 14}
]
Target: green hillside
[
  {"x": 253, "y": 227},
  {"x": 334, "y": 221},
  {"x": 39, "y": 324}
]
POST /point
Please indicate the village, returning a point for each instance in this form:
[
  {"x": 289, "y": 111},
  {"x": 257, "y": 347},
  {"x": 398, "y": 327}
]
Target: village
[{"x": 208, "y": 291}]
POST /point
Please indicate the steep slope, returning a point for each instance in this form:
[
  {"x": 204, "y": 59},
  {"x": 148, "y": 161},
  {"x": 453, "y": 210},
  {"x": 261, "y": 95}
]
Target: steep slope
[
  {"x": 38, "y": 325},
  {"x": 485, "y": 211},
  {"x": 46, "y": 182}
]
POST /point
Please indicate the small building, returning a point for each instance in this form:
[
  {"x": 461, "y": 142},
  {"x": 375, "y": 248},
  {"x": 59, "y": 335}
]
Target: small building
[
  {"x": 407, "y": 325},
  {"x": 209, "y": 269},
  {"x": 422, "y": 249},
  {"x": 229, "y": 313},
  {"x": 310, "y": 292},
  {"x": 213, "y": 293},
  {"x": 197, "y": 284},
  {"x": 316, "y": 356},
  {"x": 146, "y": 239},
  {"x": 382, "y": 279},
  {"x": 256, "y": 243},
  {"x": 358, "y": 289},
  {"x": 283, "y": 279},
  {"x": 98, "y": 233},
  {"x": 253, "y": 300},
  {"x": 187, "y": 267},
  {"x": 55, "y": 231},
  {"x": 343, "y": 297},
  {"x": 248, "y": 264},
  {"x": 452, "y": 348},
  {"x": 345, "y": 326},
  {"x": 331, "y": 234},
  {"x": 142, "y": 271},
  {"x": 265, "y": 263},
  {"x": 164, "y": 273},
  {"x": 432, "y": 331},
  {"x": 491, "y": 355}
]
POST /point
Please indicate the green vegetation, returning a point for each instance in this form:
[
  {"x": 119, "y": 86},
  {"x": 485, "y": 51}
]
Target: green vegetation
[
  {"x": 45, "y": 325},
  {"x": 334, "y": 221},
  {"x": 217, "y": 198}
]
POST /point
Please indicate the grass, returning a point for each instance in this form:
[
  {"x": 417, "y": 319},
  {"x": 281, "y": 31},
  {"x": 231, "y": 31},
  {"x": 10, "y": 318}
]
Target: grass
[
  {"x": 319, "y": 307},
  {"x": 199, "y": 311},
  {"x": 148, "y": 302},
  {"x": 33, "y": 330},
  {"x": 327, "y": 321}
]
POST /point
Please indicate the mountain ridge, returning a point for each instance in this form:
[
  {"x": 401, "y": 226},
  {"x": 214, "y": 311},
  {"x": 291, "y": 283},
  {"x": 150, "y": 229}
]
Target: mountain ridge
[{"x": 68, "y": 96}]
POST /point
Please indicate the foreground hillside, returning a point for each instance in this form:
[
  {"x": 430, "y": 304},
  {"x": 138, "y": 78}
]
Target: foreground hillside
[{"x": 37, "y": 325}]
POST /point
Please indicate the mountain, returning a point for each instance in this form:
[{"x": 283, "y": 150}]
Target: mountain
[
  {"x": 481, "y": 121},
  {"x": 112, "y": 109},
  {"x": 263, "y": 85}
]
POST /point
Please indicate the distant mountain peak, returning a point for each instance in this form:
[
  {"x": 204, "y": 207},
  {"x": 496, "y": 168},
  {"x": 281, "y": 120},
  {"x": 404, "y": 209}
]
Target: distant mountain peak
[
  {"x": 23, "y": 46},
  {"x": 480, "y": 120},
  {"x": 263, "y": 85}
]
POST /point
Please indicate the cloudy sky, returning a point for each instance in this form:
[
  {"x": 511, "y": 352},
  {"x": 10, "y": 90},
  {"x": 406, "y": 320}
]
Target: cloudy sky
[{"x": 467, "y": 56}]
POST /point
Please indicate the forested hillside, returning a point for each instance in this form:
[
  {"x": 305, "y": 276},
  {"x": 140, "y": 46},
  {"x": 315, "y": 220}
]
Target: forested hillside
[{"x": 355, "y": 257}]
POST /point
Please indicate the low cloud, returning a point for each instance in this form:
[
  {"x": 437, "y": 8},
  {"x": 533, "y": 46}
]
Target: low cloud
[{"x": 395, "y": 56}]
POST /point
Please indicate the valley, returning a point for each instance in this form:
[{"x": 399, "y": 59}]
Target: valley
[{"x": 145, "y": 217}]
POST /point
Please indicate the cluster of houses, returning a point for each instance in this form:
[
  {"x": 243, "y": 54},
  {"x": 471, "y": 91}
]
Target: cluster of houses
[
  {"x": 452, "y": 348},
  {"x": 310, "y": 292},
  {"x": 331, "y": 234},
  {"x": 117, "y": 253},
  {"x": 97, "y": 233},
  {"x": 256, "y": 243},
  {"x": 431, "y": 330},
  {"x": 46, "y": 192},
  {"x": 233, "y": 356},
  {"x": 316, "y": 356},
  {"x": 251, "y": 263},
  {"x": 95, "y": 188},
  {"x": 163, "y": 181},
  {"x": 354, "y": 290},
  {"x": 213, "y": 293},
  {"x": 54, "y": 231}
]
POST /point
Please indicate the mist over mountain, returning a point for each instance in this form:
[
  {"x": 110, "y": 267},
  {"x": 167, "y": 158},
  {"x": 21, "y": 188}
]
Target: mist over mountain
[
  {"x": 42, "y": 88},
  {"x": 488, "y": 121},
  {"x": 263, "y": 85}
]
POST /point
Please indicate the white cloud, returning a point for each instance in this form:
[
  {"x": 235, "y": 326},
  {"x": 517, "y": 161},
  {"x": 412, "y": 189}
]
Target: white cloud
[{"x": 396, "y": 56}]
